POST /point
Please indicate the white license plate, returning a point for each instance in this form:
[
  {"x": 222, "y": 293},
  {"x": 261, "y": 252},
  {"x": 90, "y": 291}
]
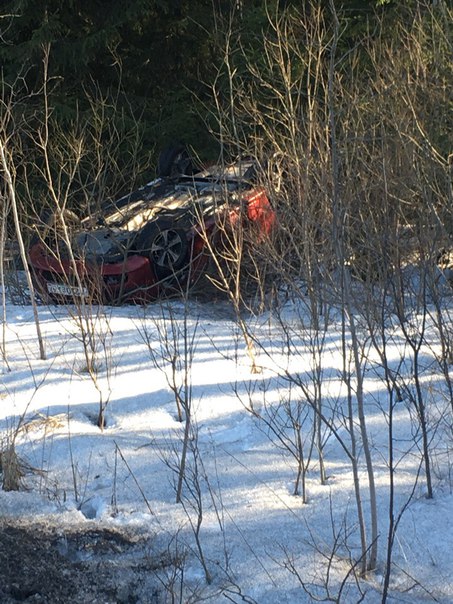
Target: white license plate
[{"x": 62, "y": 289}]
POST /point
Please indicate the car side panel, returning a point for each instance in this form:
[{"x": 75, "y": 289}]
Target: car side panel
[
  {"x": 131, "y": 280},
  {"x": 260, "y": 211}
]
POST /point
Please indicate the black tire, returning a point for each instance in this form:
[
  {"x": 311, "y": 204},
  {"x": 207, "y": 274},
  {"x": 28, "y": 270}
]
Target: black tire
[
  {"x": 174, "y": 161},
  {"x": 166, "y": 246}
]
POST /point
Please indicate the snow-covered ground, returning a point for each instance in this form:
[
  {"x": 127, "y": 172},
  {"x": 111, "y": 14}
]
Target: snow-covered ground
[{"x": 257, "y": 541}]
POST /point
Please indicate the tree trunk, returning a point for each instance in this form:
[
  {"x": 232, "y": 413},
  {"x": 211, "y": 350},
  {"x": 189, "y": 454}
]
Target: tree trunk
[{"x": 23, "y": 254}]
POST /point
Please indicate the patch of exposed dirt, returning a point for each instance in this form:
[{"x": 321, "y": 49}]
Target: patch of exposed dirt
[{"x": 40, "y": 564}]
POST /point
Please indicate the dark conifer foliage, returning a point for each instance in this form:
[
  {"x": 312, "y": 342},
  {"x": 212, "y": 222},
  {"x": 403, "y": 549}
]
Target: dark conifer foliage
[
  {"x": 156, "y": 58},
  {"x": 153, "y": 51}
]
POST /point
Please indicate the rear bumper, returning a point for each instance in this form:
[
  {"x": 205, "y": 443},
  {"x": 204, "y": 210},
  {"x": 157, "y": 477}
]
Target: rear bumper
[{"x": 60, "y": 280}]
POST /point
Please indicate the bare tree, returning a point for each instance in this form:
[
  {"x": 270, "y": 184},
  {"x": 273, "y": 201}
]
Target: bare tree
[
  {"x": 172, "y": 345},
  {"x": 11, "y": 191},
  {"x": 3, "y": 218}
]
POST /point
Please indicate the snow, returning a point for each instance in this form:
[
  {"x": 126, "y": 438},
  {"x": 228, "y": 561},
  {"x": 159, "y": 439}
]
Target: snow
[{"x": 255, "y": 533}]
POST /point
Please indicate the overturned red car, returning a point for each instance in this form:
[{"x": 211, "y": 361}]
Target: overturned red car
[{"x": 155, "y": 241}]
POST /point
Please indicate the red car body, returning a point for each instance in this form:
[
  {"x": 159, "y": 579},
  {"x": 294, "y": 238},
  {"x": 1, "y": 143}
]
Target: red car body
[{"x": 155, "y": 241}]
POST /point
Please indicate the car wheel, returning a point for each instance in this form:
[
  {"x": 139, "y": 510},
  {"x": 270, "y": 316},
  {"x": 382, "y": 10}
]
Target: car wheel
[
  {"x": 166, "y": 247},
  {"x": 174, "y": 161}
]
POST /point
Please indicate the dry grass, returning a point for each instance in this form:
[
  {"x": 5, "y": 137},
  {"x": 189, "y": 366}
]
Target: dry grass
[
  {"x": 12, "y": 468},
  {"x": 47, "y": 422}
]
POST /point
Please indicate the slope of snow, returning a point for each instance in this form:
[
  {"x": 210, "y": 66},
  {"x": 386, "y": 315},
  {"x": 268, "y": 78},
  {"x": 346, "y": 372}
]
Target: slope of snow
[{"x": 258, "y": 539}]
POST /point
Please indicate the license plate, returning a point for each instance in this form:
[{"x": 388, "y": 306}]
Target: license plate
[{"x": 61, "y": 289}]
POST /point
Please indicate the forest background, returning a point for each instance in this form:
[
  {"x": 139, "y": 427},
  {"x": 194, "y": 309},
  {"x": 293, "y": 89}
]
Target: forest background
[{"x": 132, "y": 77}]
